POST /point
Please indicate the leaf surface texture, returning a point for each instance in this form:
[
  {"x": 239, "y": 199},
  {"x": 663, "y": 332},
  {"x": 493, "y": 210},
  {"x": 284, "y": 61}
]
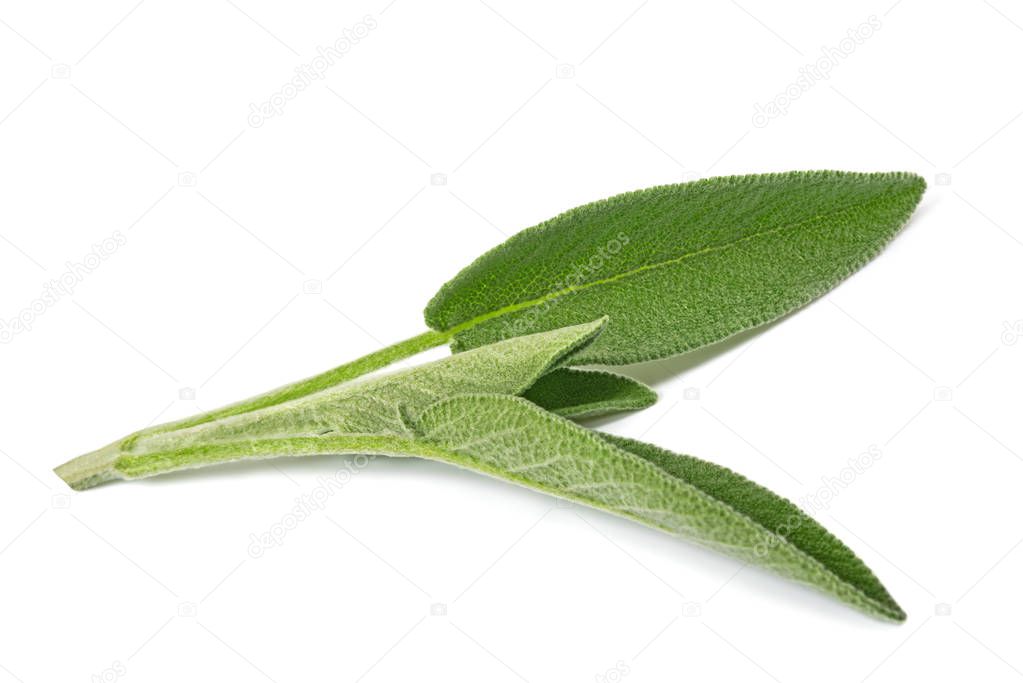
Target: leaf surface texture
[
  {"x": 510, "y": 438},
  {"x": 677, "y": 267},
  {"x": 575, "y": 393}
]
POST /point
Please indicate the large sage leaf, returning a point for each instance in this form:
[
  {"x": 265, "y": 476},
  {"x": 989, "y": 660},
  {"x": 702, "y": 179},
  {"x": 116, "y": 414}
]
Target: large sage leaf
[
  {"x": 679, "y": 266},
  {"x": 513, "y": 439},
  {"x": 510, "y": 438}
]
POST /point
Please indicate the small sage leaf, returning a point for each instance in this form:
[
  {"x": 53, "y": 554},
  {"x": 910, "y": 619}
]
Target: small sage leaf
[
  {"x": 679, "y": 266},
  {"x": 575, "y": 393},
  {"x": 510, "y": 438}
]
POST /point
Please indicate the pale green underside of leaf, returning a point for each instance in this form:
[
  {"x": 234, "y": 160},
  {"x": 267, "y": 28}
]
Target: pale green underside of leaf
[
  {"x": 375, "y": 405},
  {"x": 510, "y": 438},
  {"x": 679, "y": 266},
  {"x": 575, "y": 393},
  {"x": 128, "y": 466},
  {"x": 371, "y": 406}
]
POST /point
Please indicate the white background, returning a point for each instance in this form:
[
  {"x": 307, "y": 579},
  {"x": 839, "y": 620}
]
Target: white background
[{"x": 257, "y": 255}]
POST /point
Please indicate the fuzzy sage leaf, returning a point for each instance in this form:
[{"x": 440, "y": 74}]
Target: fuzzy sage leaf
[
  {"x": 372, "y": 407},
  {"x": 510, "y": 438},
  {"x": 679, "y": 266}
]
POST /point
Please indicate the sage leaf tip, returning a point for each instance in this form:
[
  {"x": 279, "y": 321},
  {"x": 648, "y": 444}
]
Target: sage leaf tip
[
  {"x": 816, "y": 556},
  {"x": 510, "y": 438}
]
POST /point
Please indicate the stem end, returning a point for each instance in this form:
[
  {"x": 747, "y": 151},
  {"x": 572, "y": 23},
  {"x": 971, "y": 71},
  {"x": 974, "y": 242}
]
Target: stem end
[{"x": 91, "y": 469}]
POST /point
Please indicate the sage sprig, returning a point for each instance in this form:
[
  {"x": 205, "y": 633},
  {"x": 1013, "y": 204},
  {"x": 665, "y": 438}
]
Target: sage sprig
[{"x": 643, "y": 275}]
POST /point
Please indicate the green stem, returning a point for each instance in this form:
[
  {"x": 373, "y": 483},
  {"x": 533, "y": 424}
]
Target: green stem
[
  {"x": 91, "y": 469},
  {"x": 342, "y": 373}
]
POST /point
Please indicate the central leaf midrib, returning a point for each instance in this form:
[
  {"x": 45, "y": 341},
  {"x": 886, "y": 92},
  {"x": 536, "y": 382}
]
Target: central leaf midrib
[{"x": 522, "y": 305}]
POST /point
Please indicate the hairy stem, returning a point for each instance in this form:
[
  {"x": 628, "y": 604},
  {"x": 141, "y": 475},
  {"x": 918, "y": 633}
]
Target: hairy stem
[{"x": 342, "y": 373}]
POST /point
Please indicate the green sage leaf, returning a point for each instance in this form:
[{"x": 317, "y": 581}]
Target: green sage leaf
[
  {"x": 510, "y": 438},
  {"x": 575, "y": 393},
  {"x": 773, "y": 513},
  {"x": 679, "y": 266}
]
